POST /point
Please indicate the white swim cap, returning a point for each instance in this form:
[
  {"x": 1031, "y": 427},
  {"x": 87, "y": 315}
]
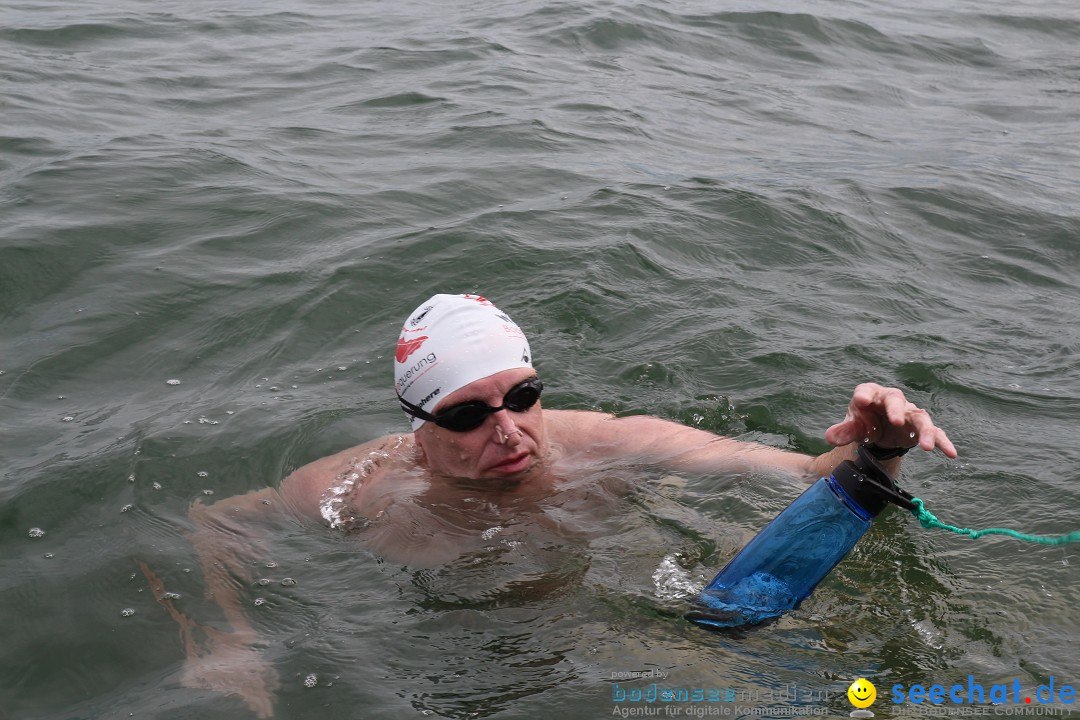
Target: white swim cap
[{"x": 451, "y": 341}]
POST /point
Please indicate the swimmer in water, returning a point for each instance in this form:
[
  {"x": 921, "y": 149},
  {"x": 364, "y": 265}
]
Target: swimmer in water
[{"x": 464, "y": 377}]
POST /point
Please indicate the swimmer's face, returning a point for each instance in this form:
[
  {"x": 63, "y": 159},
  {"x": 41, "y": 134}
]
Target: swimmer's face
[
  {"x": 862, "y": 693},
  {"x": 486, "y": 452}
]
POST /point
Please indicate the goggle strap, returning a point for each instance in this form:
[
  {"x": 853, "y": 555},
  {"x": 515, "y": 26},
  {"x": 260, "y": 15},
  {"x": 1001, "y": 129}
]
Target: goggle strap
[{"x": 414, "y": 411}]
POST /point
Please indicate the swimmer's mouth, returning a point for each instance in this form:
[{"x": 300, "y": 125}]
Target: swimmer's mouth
[{"x": 513, "y": 464}]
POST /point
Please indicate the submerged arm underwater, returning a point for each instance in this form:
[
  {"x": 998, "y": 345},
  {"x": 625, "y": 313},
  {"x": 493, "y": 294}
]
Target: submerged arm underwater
[{"x": 227, "y": 661}]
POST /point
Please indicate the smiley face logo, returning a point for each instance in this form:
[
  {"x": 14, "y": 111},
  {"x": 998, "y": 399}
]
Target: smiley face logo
[{"x": 862, "y": 693}]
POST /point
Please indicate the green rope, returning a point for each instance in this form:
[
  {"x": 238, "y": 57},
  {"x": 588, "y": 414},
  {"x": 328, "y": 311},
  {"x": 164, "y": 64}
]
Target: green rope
[{"x": 927, "y": 520}]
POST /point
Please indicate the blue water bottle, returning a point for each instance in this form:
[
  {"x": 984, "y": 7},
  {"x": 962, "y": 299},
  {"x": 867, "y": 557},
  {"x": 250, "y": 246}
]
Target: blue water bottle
[{"x": 786, "y": 560}]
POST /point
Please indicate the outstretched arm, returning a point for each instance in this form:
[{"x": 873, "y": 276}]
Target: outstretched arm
[{"x": 875, "y": 414}]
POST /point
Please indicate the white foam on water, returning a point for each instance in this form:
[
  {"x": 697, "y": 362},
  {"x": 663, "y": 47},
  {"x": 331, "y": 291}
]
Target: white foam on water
[{"x": 673, "y": 582}]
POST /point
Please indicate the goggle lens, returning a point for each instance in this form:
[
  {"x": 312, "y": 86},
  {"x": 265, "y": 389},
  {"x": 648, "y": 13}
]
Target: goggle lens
[{"x": 471, "y": 415}]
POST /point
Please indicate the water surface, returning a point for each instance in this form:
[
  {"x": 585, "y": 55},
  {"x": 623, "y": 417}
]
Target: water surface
[{"x": 726, "y": 215}]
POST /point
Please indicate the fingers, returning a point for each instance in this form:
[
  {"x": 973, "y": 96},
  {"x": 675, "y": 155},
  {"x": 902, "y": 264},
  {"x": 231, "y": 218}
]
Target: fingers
[
  {"x": 938, "y": 439},
  {"x": 885, "y": 416},
  {"x": 929, "y": 435},
  {"x": 874, "y": 400},
  {"x": 864, "y": 421},
  {"x": 841, "y": 433}
]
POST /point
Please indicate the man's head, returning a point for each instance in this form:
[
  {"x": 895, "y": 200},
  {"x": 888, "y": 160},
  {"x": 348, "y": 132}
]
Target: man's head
[{"x": 463, "y": 373}]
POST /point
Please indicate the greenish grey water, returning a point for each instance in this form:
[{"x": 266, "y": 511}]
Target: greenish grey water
[{"x": 724, "y": 214}]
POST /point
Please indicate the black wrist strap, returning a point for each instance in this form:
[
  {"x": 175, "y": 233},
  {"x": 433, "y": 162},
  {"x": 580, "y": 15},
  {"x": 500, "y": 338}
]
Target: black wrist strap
[{"x": 884, "y": 453}]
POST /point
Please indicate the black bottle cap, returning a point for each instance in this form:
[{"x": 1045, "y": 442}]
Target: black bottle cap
[{"x": 867, "y": 483}]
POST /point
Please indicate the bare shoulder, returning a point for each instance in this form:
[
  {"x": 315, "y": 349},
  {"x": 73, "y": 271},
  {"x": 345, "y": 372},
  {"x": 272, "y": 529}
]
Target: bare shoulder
[
  {"x": 303, "y": 489},
  {"x": 593, "y": 433},
  {"x": 568, "y": 427},
  {"x": 587, "y": 427},
  {"x": 301, "y": 492}
]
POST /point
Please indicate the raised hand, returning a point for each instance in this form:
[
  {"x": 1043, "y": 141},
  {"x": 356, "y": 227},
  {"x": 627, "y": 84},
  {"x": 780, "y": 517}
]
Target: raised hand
[{"x": 882, "y": 415}]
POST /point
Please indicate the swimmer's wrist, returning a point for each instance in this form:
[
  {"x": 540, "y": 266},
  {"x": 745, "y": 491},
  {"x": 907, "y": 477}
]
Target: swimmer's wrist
[{"x": 885, "y": 453}]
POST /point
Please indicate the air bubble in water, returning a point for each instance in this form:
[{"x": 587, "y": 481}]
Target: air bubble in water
[
  {"x": 264, "y": 581},
  {"x": 207, "y": 492},
  {"x": 311, "y": 680},
  {"x": 156, "y": 486},
  {"x": 127, "y": 612},
  {"x": 287, "y": 582},
  {"x": 127, "y": 507},
  {"x": 36, "y": 532},
  {"x": 50, "y": 556},
  {"x": 260, "y": 601},
  {"x": 69, "y": 418},
  {"x": 271, "y": 564},
  {"x": 172, "y": 382},
  {"x": 202, "y": 473}
]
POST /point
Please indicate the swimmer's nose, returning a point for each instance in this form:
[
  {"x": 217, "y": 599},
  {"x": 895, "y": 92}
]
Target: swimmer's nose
[{"x": 506, "y": 432}]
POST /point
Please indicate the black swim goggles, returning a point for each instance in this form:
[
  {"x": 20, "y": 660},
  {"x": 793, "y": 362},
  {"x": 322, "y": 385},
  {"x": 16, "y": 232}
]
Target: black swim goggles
[{"x": 470, "y": 415}]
